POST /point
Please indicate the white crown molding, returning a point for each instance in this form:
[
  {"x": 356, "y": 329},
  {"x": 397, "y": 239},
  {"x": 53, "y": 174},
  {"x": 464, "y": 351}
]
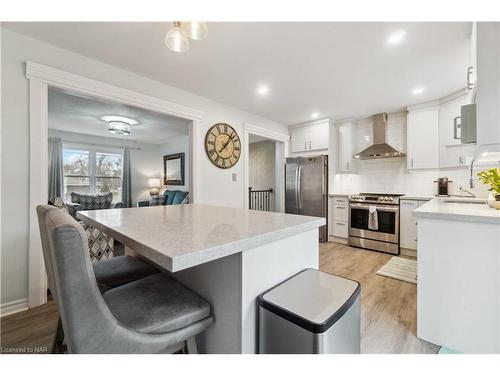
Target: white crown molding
[
  {"x": 454, "y": 95},
  {"x": 13, "y": 307},
  {"x": 70, "y": 81},
  {"x": 266, "y": 133},
  {"x": 310, "y": 123}
]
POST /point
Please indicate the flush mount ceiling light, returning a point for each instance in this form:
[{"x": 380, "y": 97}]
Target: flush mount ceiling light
[
  {"x": 177, "y": 38},
  {"x": 119, "y": 128},
  {"x": 119, "y": 125},
  {"x": 314, "y": 115},
  {"x": 418, "y": 90},
  {"x": 396, "y": 38}
]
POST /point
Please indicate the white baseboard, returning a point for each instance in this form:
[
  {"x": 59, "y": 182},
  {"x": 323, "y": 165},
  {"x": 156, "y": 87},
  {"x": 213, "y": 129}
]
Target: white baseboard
[{"x": 13, "y": 307}]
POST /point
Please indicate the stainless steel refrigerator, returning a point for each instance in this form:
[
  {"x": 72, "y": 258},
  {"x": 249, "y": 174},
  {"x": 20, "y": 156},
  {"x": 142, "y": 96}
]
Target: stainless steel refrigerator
[{"x": 306, "y": 188}]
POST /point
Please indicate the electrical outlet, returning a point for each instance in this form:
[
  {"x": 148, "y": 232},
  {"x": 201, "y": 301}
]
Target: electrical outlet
[{"x": 233, "y": 177}]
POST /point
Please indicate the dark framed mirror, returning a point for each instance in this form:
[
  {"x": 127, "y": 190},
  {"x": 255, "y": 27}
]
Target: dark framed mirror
[{"x": 173, "y": 169}]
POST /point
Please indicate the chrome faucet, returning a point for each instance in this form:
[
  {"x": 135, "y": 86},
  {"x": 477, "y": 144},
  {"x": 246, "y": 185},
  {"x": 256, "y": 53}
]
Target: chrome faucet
[{"x": 471, "y": 179}]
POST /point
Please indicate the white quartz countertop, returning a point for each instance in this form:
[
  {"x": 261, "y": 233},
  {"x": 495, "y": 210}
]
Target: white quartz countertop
[
  {"x": 182, "y": 236},
  {"x": 411, "y": 197},
  {"x": 437, "y": 208}
]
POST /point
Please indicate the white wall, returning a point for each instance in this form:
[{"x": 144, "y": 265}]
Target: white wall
[
  {"x": 391, "y": 175},
  {"x": 16, "y": 50},
  {"x": 146, "y": 159},
  {"x": 180, "y": 144}
]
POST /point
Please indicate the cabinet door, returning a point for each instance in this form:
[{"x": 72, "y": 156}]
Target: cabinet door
[
  {"x": 423, "y": 138},
  {"x": 299, "y": 139},
  {"x": 452, "y": 153},
  {"x": 346, "y": 141},
  {"x": 408, "y": 224},
  {"x": 319, "y": 136}
]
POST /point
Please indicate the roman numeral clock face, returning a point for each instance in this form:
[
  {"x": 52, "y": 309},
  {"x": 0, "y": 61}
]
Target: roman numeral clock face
[{"x": 223, "y": 145}]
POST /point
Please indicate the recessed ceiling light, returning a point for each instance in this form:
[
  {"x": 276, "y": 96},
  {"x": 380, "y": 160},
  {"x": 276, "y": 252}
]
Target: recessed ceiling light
[
  {"x": 263, "y": 90},
  {"x": 315, "y": 115},
  {"x": 396, "y": 38},
  {"x": 418, "y": 90}
]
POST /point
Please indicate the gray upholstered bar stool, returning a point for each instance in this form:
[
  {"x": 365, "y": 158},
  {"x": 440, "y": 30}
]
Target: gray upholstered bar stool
[
  {"x": 154, "y": 314},
  {"x": 109, "y": 274}
]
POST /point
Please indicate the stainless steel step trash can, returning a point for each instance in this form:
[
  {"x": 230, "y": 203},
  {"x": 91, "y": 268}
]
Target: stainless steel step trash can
[{"x": 311, "y": 312}]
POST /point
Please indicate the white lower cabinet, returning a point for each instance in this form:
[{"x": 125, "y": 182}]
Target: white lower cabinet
[
  {"x": 408, "y": 224},
  {"x": 340, "y": 229},
  {"x": 339, "y": 226}
]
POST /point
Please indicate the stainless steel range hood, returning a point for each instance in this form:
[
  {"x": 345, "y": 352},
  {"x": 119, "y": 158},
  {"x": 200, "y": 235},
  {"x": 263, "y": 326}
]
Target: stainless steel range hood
[{"x": 379, "y": 149}]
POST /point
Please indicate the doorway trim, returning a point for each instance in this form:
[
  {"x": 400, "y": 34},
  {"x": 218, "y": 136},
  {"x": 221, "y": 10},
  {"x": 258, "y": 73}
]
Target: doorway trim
[
  {"x": 282, "y": 141},
  {"x": 40, "y": 78}
]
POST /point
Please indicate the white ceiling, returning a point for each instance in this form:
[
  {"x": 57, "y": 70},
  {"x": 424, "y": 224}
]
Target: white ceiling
[
  {"x": 78, "y": 114},
  {"x": 337, "y": 69}
]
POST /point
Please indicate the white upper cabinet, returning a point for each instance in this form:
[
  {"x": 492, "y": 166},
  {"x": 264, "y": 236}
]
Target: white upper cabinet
[
  {"x": 310, "y": 137},
  {"x": 346, "y": 147},
  {"x": 423, "y": 137},
  {"x": 452, "y": 153},
  {"x": 472, "y": 68}
]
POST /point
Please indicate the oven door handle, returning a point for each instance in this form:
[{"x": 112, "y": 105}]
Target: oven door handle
[{"x": 379, "y": 208}]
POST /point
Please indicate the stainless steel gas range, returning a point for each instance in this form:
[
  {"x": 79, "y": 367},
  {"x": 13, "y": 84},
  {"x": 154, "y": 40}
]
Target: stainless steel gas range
[{"x": 374, "y": 222}]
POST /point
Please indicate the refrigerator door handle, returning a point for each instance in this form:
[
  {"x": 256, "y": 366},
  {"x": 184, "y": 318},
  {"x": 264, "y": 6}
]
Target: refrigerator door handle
[
  {"x": 299, "y": 183},
  {"x": 297, "y": 187}
]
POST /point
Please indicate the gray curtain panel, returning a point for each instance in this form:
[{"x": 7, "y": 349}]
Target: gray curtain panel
[
  {"x": 56, "y": 176},
  {"x": 126, "y": 193}
]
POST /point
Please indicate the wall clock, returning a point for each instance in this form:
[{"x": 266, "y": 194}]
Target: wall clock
[{"x": 223, "y": 145}]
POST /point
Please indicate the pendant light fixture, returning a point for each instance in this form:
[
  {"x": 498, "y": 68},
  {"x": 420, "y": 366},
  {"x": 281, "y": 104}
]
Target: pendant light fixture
[
  {"x": 195, "y": 30},
  {"x": 177, "y": 38}
]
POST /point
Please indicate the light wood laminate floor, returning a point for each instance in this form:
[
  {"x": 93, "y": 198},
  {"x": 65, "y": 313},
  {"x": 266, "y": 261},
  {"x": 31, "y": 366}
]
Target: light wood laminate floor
[{"x": 388, "y": 308}]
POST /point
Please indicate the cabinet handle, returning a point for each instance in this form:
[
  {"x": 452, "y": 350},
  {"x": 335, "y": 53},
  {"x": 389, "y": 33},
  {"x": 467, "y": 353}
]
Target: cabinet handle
[
  {"x": 305, "y": 145},
  {"x": 348, "y": 166},
  {"x": 343, "y": 224},
  {"x": 310, "y": 147},
  {"x": 470, "y": 86},
  {"x": 340, "y": 201},
  {"x": 340, "y": 207},
  {"x": 460, "y": 160},
  {"x": 411, "y": 162},
  {"x": 408, "y": 203}
]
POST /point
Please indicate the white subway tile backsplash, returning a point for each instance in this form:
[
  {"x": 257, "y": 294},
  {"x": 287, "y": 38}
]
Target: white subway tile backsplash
[{"x": 391, "y": 175}]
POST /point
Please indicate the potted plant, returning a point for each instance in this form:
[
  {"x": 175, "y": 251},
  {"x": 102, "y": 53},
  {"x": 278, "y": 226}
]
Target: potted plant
[{"x": 492, "y": 177}]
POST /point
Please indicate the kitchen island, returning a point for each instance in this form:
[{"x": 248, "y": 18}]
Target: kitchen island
[
  {"x": 458, "y": 300},
  {"x": 227, "y": 255}
]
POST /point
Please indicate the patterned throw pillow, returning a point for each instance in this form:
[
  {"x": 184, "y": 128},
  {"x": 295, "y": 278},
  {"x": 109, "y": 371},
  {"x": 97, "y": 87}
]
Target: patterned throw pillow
[
  {"x": 156, "y": 200},
  {"x": 93, "y": 202}
]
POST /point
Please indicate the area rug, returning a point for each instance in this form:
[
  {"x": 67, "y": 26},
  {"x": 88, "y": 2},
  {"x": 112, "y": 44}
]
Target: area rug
[{"x": 398, "y": 268}]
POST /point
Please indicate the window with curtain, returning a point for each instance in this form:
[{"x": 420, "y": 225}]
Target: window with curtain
[{"x": 91, "y": 170}]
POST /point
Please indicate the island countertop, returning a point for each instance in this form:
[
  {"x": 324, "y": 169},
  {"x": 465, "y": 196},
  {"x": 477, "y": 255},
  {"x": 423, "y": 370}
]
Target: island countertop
[
  {"x": 182, "y": 236},
  {"x": 437, "y": 208}
]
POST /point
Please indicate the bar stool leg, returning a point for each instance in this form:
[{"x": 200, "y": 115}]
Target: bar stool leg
[
  {"x": 191, "y": 345},
  {"x": 57, "y": 346}
]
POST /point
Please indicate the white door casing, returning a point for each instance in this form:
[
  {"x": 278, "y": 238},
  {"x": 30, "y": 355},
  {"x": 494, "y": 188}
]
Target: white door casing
[{"x": 40, "y": 78}]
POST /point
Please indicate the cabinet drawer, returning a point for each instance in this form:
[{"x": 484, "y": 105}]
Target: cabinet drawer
[
  {"x": 340, "y": 212},
  {"x": 340, "y": 201},
  {"x": 340, "y": 229}
]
